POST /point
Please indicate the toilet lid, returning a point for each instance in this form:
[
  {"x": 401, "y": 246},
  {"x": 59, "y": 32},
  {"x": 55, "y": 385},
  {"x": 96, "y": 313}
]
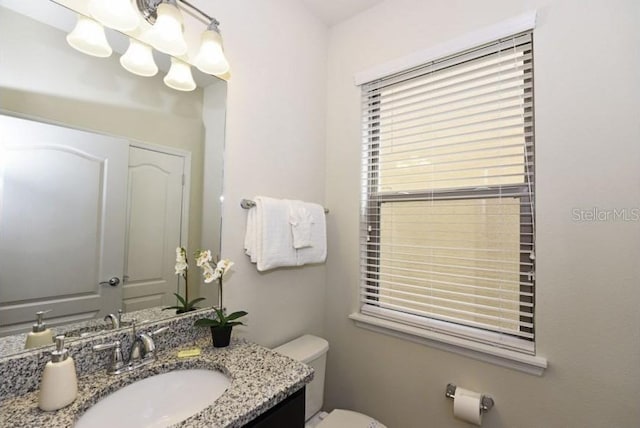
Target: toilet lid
[{"x": 347, "y": 419}]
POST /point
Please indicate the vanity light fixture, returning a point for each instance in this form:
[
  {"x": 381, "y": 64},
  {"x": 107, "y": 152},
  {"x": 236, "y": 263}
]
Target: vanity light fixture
[
  {"x": 179, "y": 76},
  {"x": 88, "y": 37},
  {"x": 138, "y": 59},
  {"x": 163, "y": 30},
  {"x": 210, "y": 58},
  {"x": 117, "y": 14},
  {"x": 166, "y": 33}
]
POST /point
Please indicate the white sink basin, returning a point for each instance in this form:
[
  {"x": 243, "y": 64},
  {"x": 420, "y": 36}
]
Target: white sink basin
[{"x": 157, "y": 401}]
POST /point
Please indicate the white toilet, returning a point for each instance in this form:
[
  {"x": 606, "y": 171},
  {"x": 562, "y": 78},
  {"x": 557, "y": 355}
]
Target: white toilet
[{"x": 312, "y": 350}]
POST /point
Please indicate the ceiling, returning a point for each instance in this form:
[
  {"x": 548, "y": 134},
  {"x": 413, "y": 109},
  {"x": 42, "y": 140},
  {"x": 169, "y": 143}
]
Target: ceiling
[{"x": 332, "y": 12}]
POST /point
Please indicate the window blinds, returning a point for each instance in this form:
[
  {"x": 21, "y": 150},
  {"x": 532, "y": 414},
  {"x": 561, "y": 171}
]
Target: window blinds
[{"x": 448, "y": 195}]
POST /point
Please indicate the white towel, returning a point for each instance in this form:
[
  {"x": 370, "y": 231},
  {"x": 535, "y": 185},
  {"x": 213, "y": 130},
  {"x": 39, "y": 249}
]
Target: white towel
[
  {"x": 274, "y": 243},
  {"x": 269, "y": 238},
  {"x": 301, "y": 220},
  {"x": 317, "y": 251}
]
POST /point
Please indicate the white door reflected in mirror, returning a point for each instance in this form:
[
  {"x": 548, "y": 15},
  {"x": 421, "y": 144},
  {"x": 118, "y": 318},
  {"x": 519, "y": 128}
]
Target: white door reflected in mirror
[
  {"x": 62, "y": 217},
  {"x": 81, "y": 235},
  {"x": 155, "y": 224}
]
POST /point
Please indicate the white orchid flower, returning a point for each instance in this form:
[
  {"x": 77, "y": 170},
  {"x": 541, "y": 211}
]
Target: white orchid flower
[
  {"x": 224, "y": 266},
  {"x": 208, "y": 273},
  {"x": 204, "y": 256},
  {"x": 181, "y": 254},
  {"x": 181, "y": 261},
  {"x": 206, "y": 267},
  {"x": 221, "y": 269},
  {"x": 181, "y": 268}
]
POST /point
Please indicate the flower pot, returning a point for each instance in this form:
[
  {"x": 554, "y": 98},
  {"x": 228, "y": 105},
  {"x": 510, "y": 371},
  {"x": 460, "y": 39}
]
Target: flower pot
[{"x": 221, "y": 336}]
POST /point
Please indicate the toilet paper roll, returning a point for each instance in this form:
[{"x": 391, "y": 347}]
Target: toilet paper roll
[{"x": 466, "y": 406}]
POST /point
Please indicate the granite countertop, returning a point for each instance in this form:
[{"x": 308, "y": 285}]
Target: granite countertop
[
  {"x": 14, "y": 344},
  {"x": 260, "y": 379}
]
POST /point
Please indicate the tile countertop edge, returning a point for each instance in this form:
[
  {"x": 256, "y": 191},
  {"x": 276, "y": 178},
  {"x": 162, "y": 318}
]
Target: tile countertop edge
[{"x": 261, "y": 378}]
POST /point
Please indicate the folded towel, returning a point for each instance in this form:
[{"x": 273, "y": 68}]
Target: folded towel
[
  {"x": 274, "y": 243},
  {"x": 301, "y": 220},
  {"x": 285, "y": 233},
  {"x": 317, "y": 251}
]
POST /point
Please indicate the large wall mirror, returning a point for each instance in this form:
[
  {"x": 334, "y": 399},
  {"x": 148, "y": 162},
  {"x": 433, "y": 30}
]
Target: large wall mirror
[{"x": 102, "y": 174}]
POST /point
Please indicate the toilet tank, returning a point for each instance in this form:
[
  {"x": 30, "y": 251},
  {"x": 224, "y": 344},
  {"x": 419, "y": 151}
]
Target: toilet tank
[{"x": 311, "y": 350}]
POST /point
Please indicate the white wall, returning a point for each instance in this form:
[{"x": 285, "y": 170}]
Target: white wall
[
  {"x": 587, "y": 95},
  {"x": 274, "y": 147}
]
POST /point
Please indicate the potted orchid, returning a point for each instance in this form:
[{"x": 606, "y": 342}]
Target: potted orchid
[
  {"x": 182, "y": 268},
  {"x": 222, "y": 324}
]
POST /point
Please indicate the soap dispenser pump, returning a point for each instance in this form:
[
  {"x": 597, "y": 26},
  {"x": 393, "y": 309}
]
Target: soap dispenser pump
[
  {"x": 39, "y": 335},
  {"x": 59, "y": 384}
]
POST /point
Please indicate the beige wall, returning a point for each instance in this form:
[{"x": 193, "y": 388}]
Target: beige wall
[
  {"x": 588, "y": 323},
  {"x": 274, "y": 147}
]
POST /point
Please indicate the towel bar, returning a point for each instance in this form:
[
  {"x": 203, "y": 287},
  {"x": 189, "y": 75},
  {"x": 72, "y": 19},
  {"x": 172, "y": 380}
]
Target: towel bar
[{"x": 248, "y": 203}]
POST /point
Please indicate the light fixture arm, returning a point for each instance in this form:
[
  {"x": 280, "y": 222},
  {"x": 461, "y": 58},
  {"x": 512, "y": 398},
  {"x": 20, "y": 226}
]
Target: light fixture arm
[
  {"x": 207, "y": 17},
  {"x": 148, "y": 10},
  {"x": 213, "y": 25}
]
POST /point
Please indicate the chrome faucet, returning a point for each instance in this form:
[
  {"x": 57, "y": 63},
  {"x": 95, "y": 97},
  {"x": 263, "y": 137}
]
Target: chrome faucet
[
  {"x": 142, "y": 351},
  {"x": 143, "y": 348},
  {"x": 116, "y": 321},
  {"x": 116, "y": 365}
]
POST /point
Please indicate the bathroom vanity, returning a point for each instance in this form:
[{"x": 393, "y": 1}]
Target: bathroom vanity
[{"x": 267, "y": 389}]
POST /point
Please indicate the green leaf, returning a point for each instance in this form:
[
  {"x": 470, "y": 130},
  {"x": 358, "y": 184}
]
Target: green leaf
[
  {"x": 232, "y": 323},
  {"x": 180, "y": 299},
  {"x": 236, "y": 315},
  {"x": 206, "y": 322},
  {"x": 172, "y": 307},
  {"x": 193, "y": 302}
]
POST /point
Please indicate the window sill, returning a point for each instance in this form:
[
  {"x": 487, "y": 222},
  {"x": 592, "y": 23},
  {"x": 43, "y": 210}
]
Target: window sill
[{"x": 529, "y": 364}]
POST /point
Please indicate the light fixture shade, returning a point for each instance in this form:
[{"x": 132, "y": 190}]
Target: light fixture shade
[
  {"x": 166, "y": 34},
  {"x": 117, "y": 14},
  {"x": 210, "y": 58},
  {"x": 88, "y": 37},
  {"x": 138, "y": 59},
  {"x": 179, "y": 76},
  {"x": 225, "y": 76}
]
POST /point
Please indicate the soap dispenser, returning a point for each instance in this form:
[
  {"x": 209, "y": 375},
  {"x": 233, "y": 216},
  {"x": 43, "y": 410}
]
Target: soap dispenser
[
  {"x": 59, "y": 383},
  {"x": 40, "y": 334}
]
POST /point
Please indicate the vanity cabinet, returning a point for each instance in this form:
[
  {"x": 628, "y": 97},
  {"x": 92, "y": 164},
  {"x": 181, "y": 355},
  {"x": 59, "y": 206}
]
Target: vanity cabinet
[{"x": 286, "y": 414}]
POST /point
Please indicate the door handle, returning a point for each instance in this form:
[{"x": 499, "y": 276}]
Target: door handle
[{"x": 112, "y": 282}]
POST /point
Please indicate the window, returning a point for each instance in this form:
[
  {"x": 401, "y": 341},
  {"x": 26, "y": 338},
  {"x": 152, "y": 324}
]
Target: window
[{"x": 447, "y": 226}]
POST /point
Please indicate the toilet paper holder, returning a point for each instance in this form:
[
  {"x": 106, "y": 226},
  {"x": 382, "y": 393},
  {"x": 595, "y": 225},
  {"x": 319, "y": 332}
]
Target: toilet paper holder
[{"x": 486, "y": 402}]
